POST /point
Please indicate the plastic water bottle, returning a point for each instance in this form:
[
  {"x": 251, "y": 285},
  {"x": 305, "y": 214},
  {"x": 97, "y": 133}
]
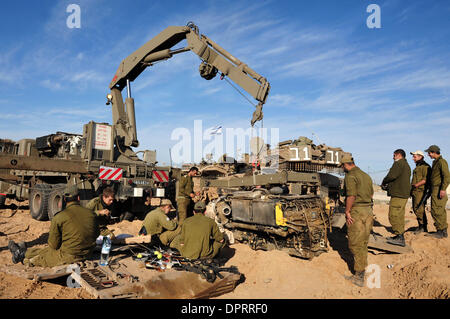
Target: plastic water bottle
[{"x": 106, "y": 247}]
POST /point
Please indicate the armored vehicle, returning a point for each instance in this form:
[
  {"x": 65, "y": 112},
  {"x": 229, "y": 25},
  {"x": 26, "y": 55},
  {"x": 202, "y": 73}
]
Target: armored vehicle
[{"x": 286, "y": 199}]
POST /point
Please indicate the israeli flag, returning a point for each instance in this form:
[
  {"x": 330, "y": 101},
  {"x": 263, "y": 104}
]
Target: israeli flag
[{"x": 217, "y": 130}]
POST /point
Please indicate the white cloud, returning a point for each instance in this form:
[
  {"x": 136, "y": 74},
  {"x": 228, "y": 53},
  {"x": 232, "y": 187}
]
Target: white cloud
[{"x": 51, "y": 85}]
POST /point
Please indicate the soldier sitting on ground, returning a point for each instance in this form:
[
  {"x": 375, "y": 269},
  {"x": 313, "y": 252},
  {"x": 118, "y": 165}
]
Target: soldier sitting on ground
[
  {"x": 72, "y": 236},
  {"x": 105, "y": 207},
  {"x": 159, "y": 225},
  {"x": 200, "y": 237}
]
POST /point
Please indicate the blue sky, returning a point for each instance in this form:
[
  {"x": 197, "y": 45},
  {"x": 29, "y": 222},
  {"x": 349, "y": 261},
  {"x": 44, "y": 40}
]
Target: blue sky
[{"x": 369, "y": 91}]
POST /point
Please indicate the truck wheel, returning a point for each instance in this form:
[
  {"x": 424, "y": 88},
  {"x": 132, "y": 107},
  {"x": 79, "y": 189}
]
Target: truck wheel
[
  {"x": 55, "y": 200},
  {"x": 38, "y": 201}
]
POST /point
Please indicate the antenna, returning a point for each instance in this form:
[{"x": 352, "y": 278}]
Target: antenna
[{"x": 318, "y": 139}]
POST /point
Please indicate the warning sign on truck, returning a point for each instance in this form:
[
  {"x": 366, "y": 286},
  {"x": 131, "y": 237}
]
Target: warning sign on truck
[
  {"x": 102, "y": 137},
  {"x": 110, "y": 173}
]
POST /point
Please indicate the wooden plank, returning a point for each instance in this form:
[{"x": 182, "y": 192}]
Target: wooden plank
[
  {"x": 380, "y": 243},
  {"x": 94, "y": 292},
  {"x": 43, "y": 277}
]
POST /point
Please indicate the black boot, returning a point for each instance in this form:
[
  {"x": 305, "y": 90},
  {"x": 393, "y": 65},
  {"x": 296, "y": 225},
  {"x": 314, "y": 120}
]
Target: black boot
[
  {"x": 439, "y": 234},
  {"x": 421, "y": 229},
  {"x": 398, "y": 240},
  {"x": 17, "y": 251},
  {"x": 357, "y": 278}
]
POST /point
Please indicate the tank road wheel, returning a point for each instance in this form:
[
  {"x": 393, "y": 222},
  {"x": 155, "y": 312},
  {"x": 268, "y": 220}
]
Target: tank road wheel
[
  {"x": 55, "y": 200},
  {"x": 38, "y": 201}
]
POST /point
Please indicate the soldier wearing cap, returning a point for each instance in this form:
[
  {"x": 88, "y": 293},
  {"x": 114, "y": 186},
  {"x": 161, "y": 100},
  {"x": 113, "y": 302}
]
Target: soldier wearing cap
[
  {"x": 420, "y": 186},
  {"x": 440, "y": 179},
  {"x": 358, "y": 192},
  {"x": 200, "y": 237},
  {"x": 158, "y": 224},
  {"x": 71, "y": 239},
  {"x": 398, "y": 184},
  {"x": 185, "y": 194}
]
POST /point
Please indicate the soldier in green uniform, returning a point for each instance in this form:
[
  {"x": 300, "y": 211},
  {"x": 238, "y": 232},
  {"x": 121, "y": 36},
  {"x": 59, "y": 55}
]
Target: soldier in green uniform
[
  {"x": 185, "y": 194},
  {"x": 72, "y": 236},
  {"x": 358, "y": 191},
  {"x": 440, "y": 179},
  {"x": 200, "y": 237},
  {"x": 105, "y": 207},
  {"x": 158, "y": 224},
  {"x": 398, "y": 184},
  {"x": 420, "y": 186}
]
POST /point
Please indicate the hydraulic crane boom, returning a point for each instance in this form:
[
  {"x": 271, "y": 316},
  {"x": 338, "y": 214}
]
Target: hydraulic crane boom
[{"x": 214, "y": 59}]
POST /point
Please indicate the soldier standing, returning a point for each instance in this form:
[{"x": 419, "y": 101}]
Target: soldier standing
[
  {"x": 185, "y": 194},
  {"x": 398, "y": 183},
  {"x": 358, "y": 191},
  {"x": 420, "y": 186},
  {"x": 440, "y": 179},
  {"x": 71, "y": 239}
]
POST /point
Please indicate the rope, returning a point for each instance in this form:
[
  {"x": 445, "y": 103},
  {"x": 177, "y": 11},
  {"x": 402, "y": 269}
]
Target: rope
[{"x": 239, "y": 91}]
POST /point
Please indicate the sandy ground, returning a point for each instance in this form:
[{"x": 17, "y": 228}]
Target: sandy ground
[{"x": 422, "y": 274}]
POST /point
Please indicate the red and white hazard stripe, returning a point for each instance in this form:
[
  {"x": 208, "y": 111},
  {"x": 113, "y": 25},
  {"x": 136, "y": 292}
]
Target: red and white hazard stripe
[
  {"x": 160, "y": 176},
  {"x": 110, "y": 173}
]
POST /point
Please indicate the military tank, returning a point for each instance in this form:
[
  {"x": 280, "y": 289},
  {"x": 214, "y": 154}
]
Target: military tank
[{"x": 285, "y": 199}]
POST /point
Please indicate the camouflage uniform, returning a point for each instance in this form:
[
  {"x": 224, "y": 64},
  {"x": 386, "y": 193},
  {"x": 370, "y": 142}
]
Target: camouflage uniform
[
  {"x": 421, "y": 172},
  {"x": 359, "y": 184},
  {"x": 200, "y": 237},
  {"x": 440, "y": 179},
  {"x": 399, "y": 189},
  {"x": 72, "y": 236},
  {"x": 156, "y": 222},
  {"x": 184, "y": 201}
]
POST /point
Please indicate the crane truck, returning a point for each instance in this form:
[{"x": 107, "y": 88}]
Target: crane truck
[{"x": 39, "y": 169}]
